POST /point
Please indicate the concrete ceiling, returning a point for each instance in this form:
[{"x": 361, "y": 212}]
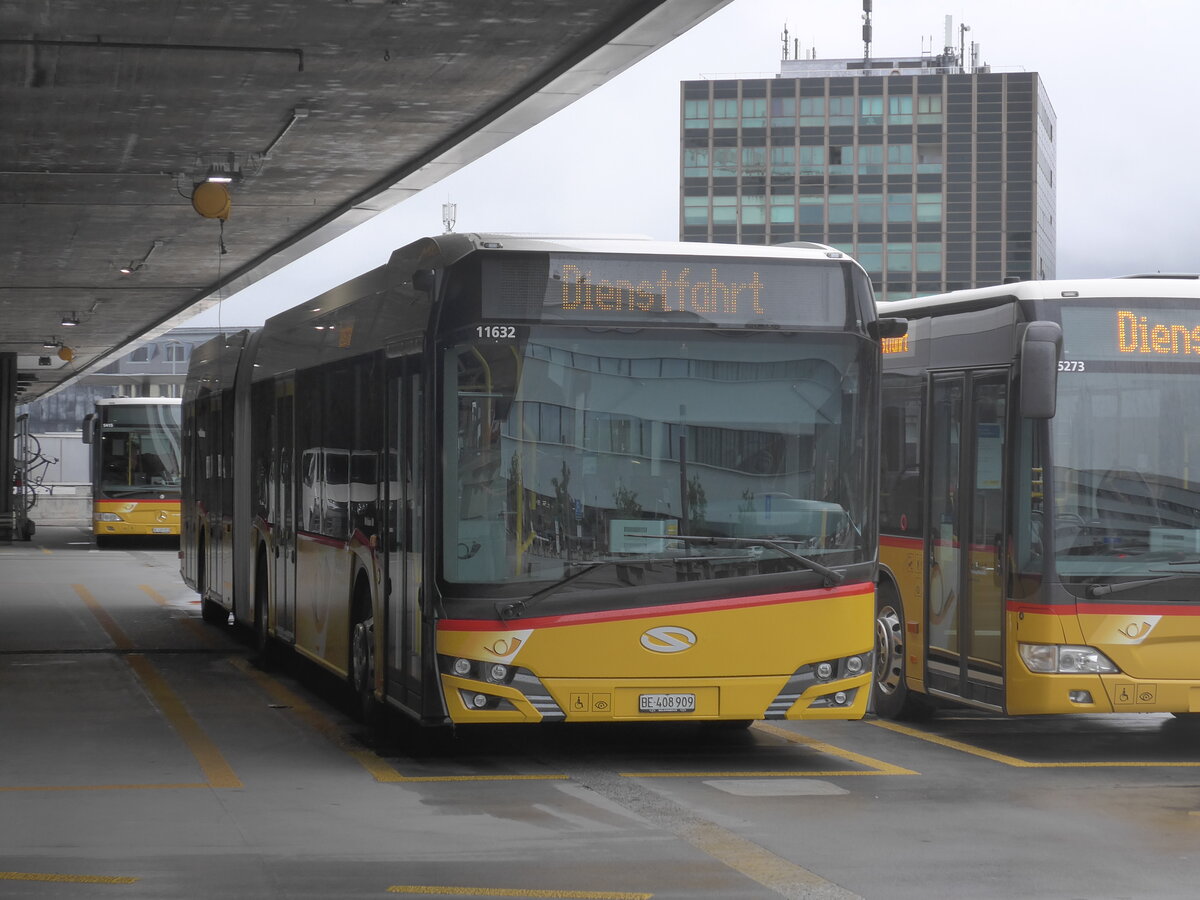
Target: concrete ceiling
[{"x": 327, "y": 111}]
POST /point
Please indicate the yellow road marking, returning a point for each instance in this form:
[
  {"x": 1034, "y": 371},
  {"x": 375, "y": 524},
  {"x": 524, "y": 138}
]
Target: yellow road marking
[
  {"x": 154, "y": 595},
  {"x": 512, "y": 892},
  {"x": 848, "y": 755},
  {"x": 760, "y": 864},
  {"x": 217, "y": 771},
  {"x": 107, "y": 622},
  {"x": 1018, "y": 763},
  {"x": 66, "y": 879}
]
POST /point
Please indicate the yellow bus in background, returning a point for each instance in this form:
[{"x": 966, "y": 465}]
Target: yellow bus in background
[
  {"x": 135, "y": 467},
  {"x": 1040, "y": 500},
  {"x": 522, "y": 479}
]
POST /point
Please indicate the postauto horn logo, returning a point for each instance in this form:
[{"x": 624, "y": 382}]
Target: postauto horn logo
[{"x": 668, "y": 639}]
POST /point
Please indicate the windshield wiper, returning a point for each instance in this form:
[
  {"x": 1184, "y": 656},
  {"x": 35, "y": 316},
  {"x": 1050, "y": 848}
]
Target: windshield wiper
[
  {"x": 1103, "y": 590},
  {"x": 515, "y": 609},
  {"x": 831, "y": 576}
]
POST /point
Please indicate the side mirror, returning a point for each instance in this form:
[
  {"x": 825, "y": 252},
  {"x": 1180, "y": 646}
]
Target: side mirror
[
  {"x": 1040, "y": 348},
  {"x": 425, "y": 280},
  {"x": 881, "y": 329},
  {"x": 89, "y": 428}
]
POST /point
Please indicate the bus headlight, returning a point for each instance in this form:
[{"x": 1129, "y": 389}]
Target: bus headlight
[
  {"x": 1065, "y": 659},
  {"x": 108, "y": 517},
  {"x": 461, "y": 667}
]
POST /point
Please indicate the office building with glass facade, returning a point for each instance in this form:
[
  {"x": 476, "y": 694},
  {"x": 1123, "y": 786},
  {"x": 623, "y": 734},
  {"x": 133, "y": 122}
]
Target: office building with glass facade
[{"x": 933, "y": 176}]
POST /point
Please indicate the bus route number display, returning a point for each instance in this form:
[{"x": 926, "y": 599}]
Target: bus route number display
[{"x": 645, "y": 290}]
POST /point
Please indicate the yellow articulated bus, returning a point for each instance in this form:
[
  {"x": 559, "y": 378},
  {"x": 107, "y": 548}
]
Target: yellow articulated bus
[
  {"x": 523, "y": 479},
  {"x": 1040, "y": 500},
  {"x": 134, "y": 467}
]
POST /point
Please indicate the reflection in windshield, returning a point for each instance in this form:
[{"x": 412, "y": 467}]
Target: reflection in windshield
[
  {"x": 140, "y": 460},
  {"x": 1125, "y": 494},
  {"x": 575, "y": 448}
]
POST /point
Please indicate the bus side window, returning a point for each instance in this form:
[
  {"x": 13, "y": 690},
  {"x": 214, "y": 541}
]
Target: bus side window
[{"x": 901, "y": 507}]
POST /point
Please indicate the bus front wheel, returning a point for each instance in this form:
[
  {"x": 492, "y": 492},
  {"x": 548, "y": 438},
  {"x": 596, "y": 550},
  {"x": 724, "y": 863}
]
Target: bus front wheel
[
  {"x": 362, "y": 664},
  {"x": 264, "y": 645},
  {"x": 892, "y": 699}
]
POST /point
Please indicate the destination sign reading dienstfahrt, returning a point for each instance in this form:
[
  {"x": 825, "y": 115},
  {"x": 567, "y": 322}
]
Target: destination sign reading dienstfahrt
[
  {"x": 1132, "y": 332},
  {"x": 646, "y": 290}
]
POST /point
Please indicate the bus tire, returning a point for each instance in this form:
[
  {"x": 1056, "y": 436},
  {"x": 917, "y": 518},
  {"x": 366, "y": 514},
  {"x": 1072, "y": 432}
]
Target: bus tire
[
  {"x": 200, "y": 572},
  {"x": 264, "y": 645},
  {"x": 362, "y": 659},
  {"x": 890, "y": 694}
]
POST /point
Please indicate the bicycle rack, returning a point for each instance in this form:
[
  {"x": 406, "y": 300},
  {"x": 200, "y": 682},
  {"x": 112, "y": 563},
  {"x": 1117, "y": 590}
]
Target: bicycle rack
[{"x": 17, "y": 524}]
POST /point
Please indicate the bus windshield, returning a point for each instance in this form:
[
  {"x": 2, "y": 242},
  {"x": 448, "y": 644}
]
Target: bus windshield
[
  {"x": 139, "y": 451},
  {"x": 569, "y": 449},
  {"x": 1126, "y": 497}
]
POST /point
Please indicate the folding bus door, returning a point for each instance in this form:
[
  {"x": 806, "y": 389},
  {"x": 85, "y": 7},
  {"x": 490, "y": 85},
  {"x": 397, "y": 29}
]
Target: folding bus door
[
  {"x": 965, "y": 589},
  {"x": 404, "y": 643}
]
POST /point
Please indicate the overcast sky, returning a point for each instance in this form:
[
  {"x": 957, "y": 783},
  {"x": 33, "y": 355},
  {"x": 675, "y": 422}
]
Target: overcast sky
[{"x": 1120, "y": 75}]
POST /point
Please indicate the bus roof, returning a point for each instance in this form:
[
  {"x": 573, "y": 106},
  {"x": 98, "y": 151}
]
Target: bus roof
[
  {"x": 1062, "y": 289},
  {"x": 648, "y": 246},
  {"x": 625, "y": 244}
]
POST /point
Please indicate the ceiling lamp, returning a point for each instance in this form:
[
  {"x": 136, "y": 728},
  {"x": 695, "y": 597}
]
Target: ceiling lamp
[
  {"x": 221, "y": 167},
  {"x": 69, "y": 320},
  {"x": 134, "y": 265}
]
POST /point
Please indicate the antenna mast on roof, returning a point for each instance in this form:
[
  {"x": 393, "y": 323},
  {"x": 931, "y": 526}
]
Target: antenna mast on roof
[
  {"x": 784, "y": 37},
  {"x": 867, "y": 30}
]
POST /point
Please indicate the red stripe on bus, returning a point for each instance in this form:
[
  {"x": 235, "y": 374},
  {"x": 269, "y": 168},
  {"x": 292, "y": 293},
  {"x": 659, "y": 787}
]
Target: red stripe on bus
[
  {"x": 1106, "y": 609},
  {"x": 1131, "y": 609},
  {"x": 340, "y": 543},
  {"x": 141, "y": 500},
  {"x": 907, "y": 543},
  {"x": 1041, "y": 609},
  {"x": 645, "y": 612}
]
